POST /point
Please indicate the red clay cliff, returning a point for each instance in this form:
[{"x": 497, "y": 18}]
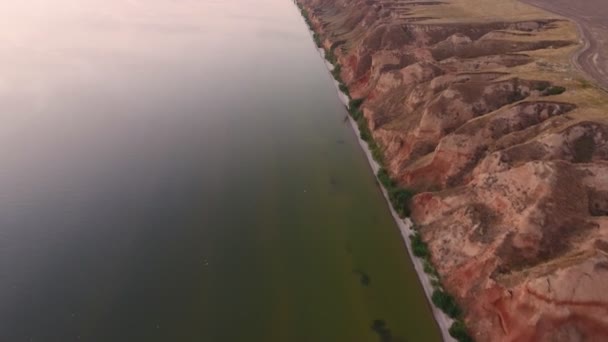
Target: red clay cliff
[{"x": 477, "y": 107}]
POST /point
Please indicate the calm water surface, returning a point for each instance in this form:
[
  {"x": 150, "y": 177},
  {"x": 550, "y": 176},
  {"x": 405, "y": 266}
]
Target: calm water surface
[{"x": 180, "y": 171}]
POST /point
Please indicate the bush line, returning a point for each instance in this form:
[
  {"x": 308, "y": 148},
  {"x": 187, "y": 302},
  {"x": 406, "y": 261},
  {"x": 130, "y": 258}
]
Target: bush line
[
  {"x": 399, "y": 197},
  {"x": 440, "y": 298}
]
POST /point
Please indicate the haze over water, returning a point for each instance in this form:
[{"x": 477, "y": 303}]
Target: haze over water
[{"x": 181, "y": 171}]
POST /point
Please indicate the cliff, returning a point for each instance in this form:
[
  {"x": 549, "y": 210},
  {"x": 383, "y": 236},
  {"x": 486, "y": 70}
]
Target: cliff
[{"x": 476, "y": 106}]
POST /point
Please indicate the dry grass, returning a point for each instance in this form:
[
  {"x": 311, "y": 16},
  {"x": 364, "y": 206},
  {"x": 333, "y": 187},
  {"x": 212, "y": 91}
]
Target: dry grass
[{"x": 480, "y": 11}]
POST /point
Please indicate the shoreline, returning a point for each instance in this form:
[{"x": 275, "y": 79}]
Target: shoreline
[
  {"x": 495, "y": 123},
  {"x": 442, "y": 320}
]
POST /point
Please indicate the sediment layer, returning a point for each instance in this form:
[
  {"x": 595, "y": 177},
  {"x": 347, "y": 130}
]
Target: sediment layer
[{"x": 476, "y": 107}]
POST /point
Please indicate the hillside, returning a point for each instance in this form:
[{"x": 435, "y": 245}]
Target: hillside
[{"x": 476, "y": 107}]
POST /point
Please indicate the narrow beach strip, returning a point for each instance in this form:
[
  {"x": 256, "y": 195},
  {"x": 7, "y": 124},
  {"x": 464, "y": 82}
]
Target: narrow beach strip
[{"x": 405, "y": 225}]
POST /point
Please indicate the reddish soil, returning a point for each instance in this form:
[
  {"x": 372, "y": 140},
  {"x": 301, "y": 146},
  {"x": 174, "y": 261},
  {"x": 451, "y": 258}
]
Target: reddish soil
[{"x": 507, "y": 151}]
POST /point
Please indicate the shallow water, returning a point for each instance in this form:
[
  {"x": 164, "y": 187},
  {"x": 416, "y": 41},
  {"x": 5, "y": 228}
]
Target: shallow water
[{"x": 181, "y": 171}]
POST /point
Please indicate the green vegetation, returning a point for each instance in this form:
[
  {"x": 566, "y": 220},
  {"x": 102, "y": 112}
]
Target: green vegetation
[
  {"x": 356, "y": 114},
  {"x": 440, "y": 298},
  {"x": 419, "y": 247},
  {"x": 355, "y": 104},
  {"x": 336, "y": 72},
  {"x": 385, "y": 179},
  {"x": 364, "y": 131},
  {"x": 554, "y": 90},
  {"x": 331, "y": 58},
  {"x": 459, "y": 331},
  {"x": 315, "y": 36},
  {"x": 430, "y": 269},
  {"x": 378, "y": 155},
  {"x": 400, "y": 199},
  {"x": 446, "y": 303},
  {"x": 317, "y": 39},
  {"x": 343, "y": 88},
  {"x": 585, "y": 84}
]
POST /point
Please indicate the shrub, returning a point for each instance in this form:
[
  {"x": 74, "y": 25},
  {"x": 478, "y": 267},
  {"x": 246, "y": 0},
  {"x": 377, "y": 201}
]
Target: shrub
[
  {"x": 317, "y": 39},
  {"x": 385, "y": 179},
  {"x": 400, "y": 199},
  {"x": 355, "y": 104},
  {"x": 430, "y": 269},
  {"x": 363, "y": 129},
  {"x": 555, "y": 90},
  {"x": 343, "y": 88},
  {"x": 459, "y": 331},
  {"x": 377, "y": 154},
  {"x": 356, "y": 114},
  {"x": 419, "y": 248},
  {"x": 364, "y": 135},
  {"x": 331, "y": 58},
  {"x": 446, "y": 303},
  {"x": 336, "y": 72}
]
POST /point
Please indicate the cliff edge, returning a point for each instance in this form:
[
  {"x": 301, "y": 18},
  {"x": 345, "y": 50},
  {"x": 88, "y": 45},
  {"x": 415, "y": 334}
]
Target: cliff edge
[{"x": 476, "y": 107}]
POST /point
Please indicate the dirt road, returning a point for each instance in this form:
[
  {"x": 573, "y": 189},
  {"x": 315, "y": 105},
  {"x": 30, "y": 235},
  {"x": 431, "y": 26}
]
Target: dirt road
[{"x": 592, "y": 19}]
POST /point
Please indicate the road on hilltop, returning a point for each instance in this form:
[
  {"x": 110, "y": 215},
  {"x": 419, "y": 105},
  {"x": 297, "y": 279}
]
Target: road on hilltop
[{"x": 591, "y": 16}]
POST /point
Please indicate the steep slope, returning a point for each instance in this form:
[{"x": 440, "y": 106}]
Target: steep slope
[{"x": 476, "y": 107}]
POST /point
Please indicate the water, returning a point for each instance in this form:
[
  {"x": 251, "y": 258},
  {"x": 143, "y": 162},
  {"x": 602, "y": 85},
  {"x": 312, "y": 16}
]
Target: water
[{"x": 181, "y": 171}]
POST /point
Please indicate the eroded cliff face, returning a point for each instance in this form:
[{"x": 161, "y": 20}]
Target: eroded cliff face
[{"x": 464, "y": 97}]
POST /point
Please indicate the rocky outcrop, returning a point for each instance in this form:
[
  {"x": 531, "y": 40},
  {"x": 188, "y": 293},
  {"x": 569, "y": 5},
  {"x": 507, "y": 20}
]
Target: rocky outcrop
[{"x": 485, "y": 118}]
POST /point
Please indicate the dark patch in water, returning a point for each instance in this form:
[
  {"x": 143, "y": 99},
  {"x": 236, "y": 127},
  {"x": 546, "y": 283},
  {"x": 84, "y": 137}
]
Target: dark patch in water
[
  {"x": 380, "y": 328},
  {"x": 333, "y": 181},
  {"x": 364, "y": 278}
]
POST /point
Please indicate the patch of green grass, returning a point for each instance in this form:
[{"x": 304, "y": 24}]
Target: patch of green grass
[
  {"x": 554, "y": 90},
  {"x": 542, "y": 86},
  {"x": 585, "y": 84}
]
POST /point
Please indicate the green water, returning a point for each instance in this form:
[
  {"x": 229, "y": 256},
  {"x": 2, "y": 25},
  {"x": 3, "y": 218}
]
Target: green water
[{"x": 184, "y": 173}]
